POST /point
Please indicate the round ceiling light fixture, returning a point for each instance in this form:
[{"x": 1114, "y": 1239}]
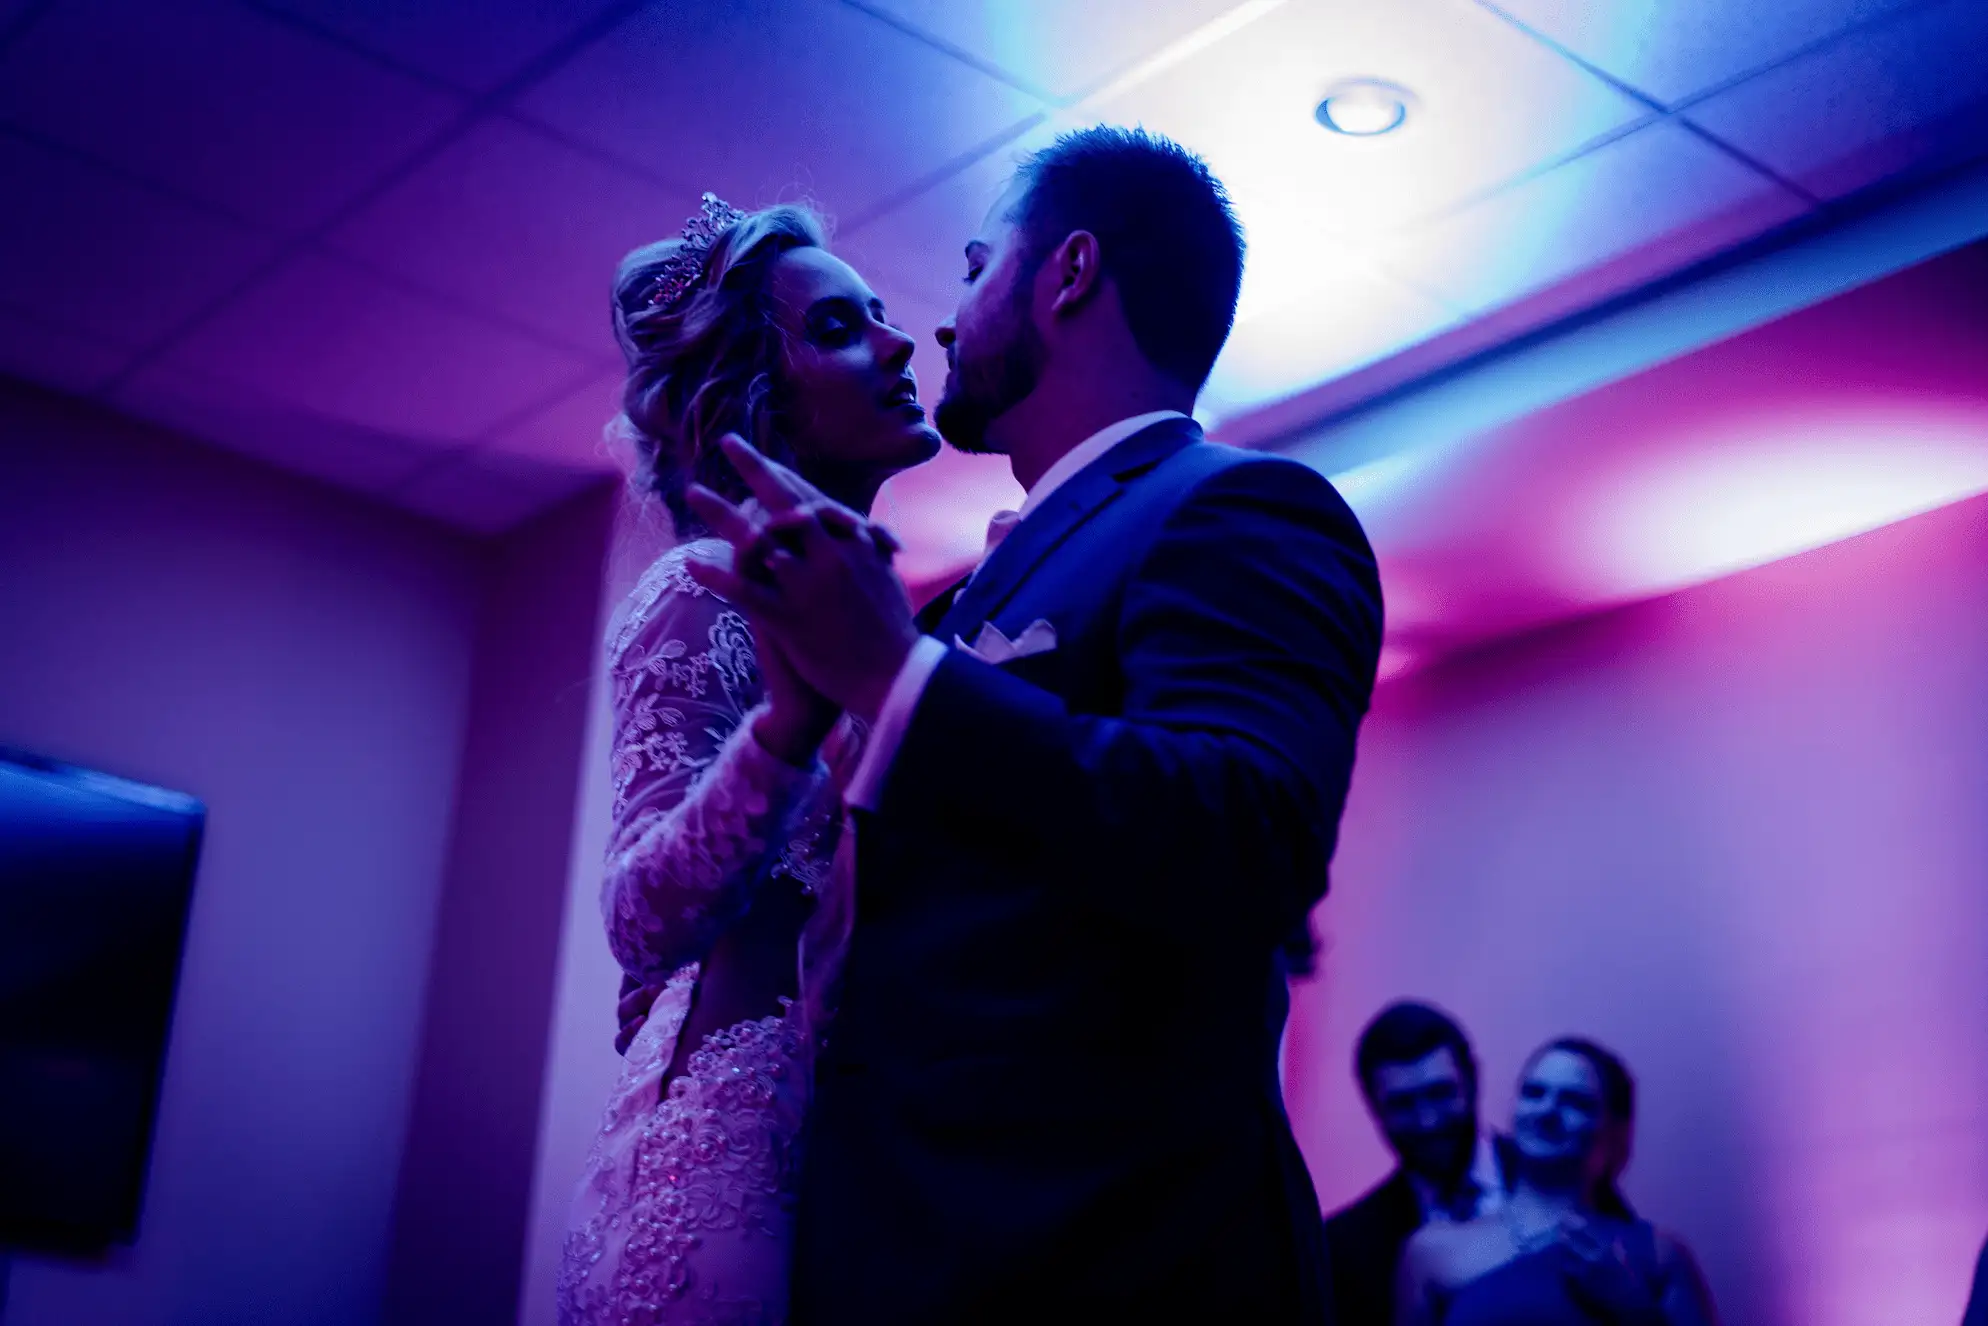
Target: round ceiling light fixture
[{"x": 1364, "y": 107}]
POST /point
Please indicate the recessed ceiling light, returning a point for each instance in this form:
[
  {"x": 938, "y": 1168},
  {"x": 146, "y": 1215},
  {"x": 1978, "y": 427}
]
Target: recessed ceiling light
[{"x": 1364, "y": 107}]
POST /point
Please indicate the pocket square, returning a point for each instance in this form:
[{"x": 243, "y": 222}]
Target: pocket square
[{"x": 991, "y": 646}]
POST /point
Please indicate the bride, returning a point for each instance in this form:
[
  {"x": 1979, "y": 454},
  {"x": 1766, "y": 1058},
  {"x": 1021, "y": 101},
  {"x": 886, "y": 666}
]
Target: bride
[{"x": 727, "y": 768}]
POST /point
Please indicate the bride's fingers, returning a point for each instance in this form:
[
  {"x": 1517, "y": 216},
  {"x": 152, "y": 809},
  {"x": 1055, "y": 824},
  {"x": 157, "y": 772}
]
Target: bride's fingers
[
  {"x": 717, "y": 574},
  {"x": 777, "y": 487},
  {"x": 796, "y": 528},
  {"x": 726, "y": 521}
]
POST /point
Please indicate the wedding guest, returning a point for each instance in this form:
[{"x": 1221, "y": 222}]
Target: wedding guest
[
  {"x": 1552, "y": 1254},
  {"x": 1419, "y": 1079}
]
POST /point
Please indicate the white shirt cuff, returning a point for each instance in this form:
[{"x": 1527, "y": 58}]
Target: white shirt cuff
[{"x": 866, "y": 785}]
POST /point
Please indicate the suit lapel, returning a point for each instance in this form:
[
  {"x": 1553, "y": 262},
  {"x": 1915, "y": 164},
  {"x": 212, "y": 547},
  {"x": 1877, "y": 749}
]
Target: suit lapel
[{"x": 1082, "y": 496}]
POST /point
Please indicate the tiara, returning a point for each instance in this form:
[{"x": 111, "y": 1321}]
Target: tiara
[{"x": 682, "y": 269}]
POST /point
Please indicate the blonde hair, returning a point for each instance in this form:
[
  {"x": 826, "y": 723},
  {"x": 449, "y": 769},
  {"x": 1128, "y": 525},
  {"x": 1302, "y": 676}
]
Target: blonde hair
[{"x": 706, "y": 363}]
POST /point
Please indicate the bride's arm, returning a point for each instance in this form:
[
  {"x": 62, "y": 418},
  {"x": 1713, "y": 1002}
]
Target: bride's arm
[{"x": 700, "y": 804}]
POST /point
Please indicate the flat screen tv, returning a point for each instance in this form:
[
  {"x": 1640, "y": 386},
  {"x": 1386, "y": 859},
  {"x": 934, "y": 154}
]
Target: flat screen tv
[{"x": 96, "y": 875}]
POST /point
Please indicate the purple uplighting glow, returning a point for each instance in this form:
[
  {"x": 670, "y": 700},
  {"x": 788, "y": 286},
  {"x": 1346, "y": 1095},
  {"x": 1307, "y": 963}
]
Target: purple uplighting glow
[{"x": 1648, "y": 340}]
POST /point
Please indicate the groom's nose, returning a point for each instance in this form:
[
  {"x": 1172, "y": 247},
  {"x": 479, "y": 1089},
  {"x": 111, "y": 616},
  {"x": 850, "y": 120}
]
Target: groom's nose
[{"x": 944, "y": 335}]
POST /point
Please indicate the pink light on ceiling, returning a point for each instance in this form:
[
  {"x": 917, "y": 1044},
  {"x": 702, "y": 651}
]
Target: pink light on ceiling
[
  {"x": 1724, "y": 503},
  {"x": 1852, "y": 414}
]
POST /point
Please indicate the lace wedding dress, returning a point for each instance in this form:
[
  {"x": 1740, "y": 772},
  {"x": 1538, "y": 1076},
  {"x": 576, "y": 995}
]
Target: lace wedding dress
[{"x": 685, "y": 1213}]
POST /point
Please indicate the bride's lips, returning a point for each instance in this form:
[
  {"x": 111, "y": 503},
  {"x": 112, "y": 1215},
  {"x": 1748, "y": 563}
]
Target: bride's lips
[{"x": 903, "y": 395}]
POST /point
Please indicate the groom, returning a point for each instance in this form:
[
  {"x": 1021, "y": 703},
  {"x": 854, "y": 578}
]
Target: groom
[{"x": 1100, "y": 797}]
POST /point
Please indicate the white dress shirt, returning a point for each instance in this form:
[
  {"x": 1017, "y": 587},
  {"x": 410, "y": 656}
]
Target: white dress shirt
[{"x": 887, "y": 733}]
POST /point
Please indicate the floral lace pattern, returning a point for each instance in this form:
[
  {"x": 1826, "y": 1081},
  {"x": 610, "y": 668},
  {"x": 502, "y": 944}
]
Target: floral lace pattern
[
  {"x": 684, "y": 1215},
  {"x": 687, "y": 1210}
]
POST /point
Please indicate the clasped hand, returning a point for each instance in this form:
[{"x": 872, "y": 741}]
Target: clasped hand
[{"x": 814, "y": 578}]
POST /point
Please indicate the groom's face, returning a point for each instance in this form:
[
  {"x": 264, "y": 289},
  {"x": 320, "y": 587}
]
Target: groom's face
[{"x": 994, "y": 353}]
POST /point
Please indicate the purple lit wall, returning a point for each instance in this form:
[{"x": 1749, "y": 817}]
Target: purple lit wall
[
  {"x": 1739, "y": 834},
  {"x": 301, "y": 661},
  {"x": 465, "y": 1181},
  {"x": 385, "y": 720}
]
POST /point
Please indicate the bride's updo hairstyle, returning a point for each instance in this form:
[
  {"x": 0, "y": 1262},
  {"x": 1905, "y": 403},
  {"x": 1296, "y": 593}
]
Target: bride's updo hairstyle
[{"x": 703, "y": 350}]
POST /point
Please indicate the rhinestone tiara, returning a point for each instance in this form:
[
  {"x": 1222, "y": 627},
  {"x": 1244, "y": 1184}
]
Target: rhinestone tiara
[{"x": 683, "y": 269}]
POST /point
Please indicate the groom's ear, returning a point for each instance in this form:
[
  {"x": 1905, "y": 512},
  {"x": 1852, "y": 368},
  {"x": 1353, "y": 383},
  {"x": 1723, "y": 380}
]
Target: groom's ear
[{"x": 1078, "y": 265}]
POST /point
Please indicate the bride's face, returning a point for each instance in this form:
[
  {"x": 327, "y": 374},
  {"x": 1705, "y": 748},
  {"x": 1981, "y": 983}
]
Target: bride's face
[{"x": 850, "y": 399}]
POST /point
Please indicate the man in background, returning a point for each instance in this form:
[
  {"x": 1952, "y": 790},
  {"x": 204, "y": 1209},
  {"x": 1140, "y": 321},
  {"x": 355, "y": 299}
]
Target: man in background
[{"x": 1419, "y": 1079}]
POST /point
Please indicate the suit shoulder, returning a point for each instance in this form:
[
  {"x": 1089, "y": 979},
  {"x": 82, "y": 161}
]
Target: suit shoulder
[
  {"x": 1380, "y": 1205},
  {"x": 1212, "y": 469}
]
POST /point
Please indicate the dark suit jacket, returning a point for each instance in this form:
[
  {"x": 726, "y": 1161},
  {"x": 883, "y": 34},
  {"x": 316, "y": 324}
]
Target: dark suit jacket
[
  {"x": 1364, "y": 1242},
  {"x": 1050, "y": 1088}
]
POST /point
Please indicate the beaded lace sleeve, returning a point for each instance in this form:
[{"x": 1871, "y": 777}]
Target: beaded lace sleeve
[{"x": 700, "y": 808}]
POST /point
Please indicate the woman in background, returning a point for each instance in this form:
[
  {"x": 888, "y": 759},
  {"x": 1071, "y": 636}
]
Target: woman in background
[
  {"x": 1563, "y": 1248},
  {"x": 727, "y": 767}
]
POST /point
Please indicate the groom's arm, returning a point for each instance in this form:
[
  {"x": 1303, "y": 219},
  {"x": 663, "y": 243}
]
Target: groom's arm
[{"x": 1248, "y": 638}]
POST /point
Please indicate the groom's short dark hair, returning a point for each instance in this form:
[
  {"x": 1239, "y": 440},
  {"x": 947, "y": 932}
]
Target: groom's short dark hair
[{"x": 1168, "y": 236}]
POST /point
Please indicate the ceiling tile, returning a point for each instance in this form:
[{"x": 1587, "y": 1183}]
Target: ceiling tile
[
  {"x": 474, "y": 44},
  {"x": 488, "y": 492},
  {"x": 218, "y": 102},
  {"x": 273, "y": 431},
  {"x": 572, "y": 431},
  {"x": 338, "y": 341},
  {"x": 39, "y": 353},
  {"x": 1341, "y": 315},
  {"x": 764, "y": 100},
  {"x": 1058, "y": 47},
  {"x": 515, "y": 223},
  {"x": 1491, "y": 103},
  {"x": 1619, "y": 216},
  {"x": 920, "y": 243},
  {"x": 1671, "y": 49},
  {"x": 1910, "y": 94},
  {"x": 91, "y": 252}
]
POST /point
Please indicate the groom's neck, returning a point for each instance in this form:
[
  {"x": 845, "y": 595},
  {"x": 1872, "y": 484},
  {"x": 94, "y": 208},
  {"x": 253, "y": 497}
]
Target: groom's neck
[{"x": 1072, "y": 401}]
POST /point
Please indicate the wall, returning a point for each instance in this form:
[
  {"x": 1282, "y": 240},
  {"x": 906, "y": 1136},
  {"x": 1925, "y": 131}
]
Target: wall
[
  {"x": 580, "y": 1062},
  {"x": 301, "y": 661},
  {"x": 1738, "y": 834},
  {"x": 461, "y": 1216}
]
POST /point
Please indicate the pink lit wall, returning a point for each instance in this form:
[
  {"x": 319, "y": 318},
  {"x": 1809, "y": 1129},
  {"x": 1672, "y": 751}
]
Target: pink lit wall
[
  {"x": 384, "y": 719},
  {"x": 1737, "y": 833}
]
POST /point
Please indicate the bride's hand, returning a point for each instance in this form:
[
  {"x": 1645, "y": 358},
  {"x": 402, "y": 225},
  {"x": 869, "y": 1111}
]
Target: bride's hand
[{"x": 797, "y": 718}]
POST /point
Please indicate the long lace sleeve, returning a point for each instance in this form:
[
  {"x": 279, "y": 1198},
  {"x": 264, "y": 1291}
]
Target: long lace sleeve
[{"x": 700, "y": 808}]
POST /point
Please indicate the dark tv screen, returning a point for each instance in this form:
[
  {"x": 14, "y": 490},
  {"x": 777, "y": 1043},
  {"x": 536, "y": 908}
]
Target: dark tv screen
[{"x": 96, "y": 875}]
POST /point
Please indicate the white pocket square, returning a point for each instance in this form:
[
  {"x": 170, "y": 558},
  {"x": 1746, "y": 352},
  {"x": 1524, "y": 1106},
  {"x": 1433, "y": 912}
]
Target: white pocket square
[{"x": 990, "y": 646}]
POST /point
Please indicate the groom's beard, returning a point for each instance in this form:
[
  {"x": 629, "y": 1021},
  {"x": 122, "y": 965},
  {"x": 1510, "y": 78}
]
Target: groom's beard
[{"x": 979, "y": 391}]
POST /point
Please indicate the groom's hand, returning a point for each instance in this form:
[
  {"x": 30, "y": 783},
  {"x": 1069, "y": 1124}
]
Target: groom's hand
[{"x": 816, "y": 576}]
